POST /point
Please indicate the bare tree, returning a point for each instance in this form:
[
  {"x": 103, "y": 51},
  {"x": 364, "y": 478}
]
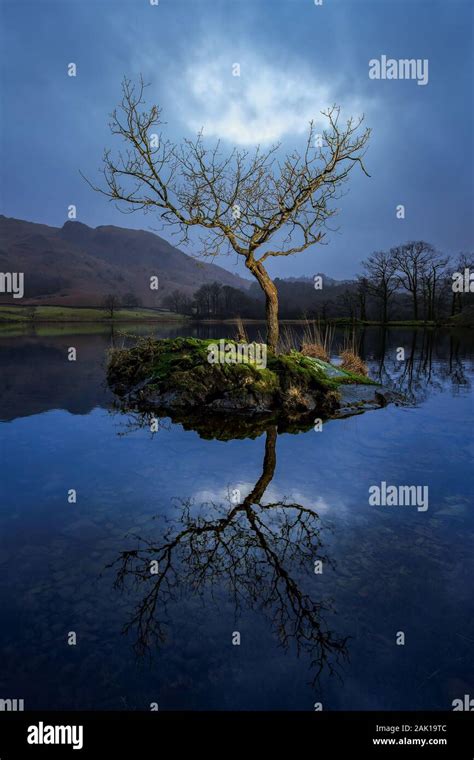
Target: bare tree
[
  {"x": 175, "y": 301},
  {"x": 412, "y": 262},
  {"x": 111, "y": 302},
  {"x": 231, "y": 298},
  {"x": 326, "y": 306},
  {"x": 381, "y": 279},
  {"x": 215, "y": 292},
  {"x": 433, "y": 274},
  {"x": 203, "y": 300},
  {"x": 362, "y": 289},
  {"x": 240, "y": 200},
  {"x": 349, "y": 301}
]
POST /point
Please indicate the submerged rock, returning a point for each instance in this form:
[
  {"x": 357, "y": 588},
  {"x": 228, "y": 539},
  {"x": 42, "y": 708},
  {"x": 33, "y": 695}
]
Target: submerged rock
[
  {"x": 356, "y": 399},
  {"x": 175, "y": 376}
]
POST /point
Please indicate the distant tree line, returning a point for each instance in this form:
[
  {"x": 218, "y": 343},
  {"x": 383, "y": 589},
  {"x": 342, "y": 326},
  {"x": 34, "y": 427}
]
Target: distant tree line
[
  {"x": 412, "y": 281},
  {"x": 112, "y": 302}
]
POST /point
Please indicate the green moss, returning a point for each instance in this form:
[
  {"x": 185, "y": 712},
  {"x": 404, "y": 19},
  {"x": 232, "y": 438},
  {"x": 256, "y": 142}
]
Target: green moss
[
  {"x": 296, "y": 370},
  {"x": 266, "y": 381},
  {"x": 352, "y": 377}
]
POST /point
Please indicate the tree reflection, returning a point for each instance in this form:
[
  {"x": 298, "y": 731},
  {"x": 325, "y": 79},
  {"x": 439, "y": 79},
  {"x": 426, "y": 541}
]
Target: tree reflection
[
  {"x": 259, "y": 552},
  {"x": 432, "y": 362}
]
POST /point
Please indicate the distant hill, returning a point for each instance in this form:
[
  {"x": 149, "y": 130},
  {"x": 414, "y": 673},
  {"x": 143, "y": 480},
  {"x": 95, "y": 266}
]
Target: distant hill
[
  {"x": 328, "y": 281},
  {"x": 77, "y": 265}
]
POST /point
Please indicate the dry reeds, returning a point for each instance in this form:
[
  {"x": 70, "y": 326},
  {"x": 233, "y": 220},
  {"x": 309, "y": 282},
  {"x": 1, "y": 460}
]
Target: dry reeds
[
  {"x": 288, "y": 340},
  {"x": 317, "y": 342},
  {"x": 351, "y": 359},
  {"x": 241, "y": 333}
]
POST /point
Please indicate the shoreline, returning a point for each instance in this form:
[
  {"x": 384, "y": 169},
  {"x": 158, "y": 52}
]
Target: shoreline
[{"x": 12, "y": 315}]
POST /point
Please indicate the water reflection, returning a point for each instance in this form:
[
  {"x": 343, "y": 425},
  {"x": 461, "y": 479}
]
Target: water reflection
[
  {"x": 424, "y": 369},
  {"x": 264, "y": 554},
  {"x": 396, "y": 570}
]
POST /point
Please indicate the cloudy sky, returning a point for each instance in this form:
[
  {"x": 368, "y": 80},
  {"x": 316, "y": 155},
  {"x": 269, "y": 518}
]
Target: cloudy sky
[{"x": 295, "y": 58}]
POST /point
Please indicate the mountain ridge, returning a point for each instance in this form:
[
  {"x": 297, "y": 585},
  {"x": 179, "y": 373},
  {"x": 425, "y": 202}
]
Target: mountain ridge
[{"x": 78, "y": 265}]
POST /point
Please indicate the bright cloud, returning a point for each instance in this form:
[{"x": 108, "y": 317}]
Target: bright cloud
[{"x": 262, "y": 105}]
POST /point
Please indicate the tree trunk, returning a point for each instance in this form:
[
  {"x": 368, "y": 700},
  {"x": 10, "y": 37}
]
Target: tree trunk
[
  {"x": 271, "y": 301},
  {"x": 269, "y": 464},
  {"x": 385, "y": 308}
]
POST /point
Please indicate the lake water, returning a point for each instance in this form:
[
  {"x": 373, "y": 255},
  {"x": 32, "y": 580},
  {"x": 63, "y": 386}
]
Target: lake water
[{"x": 317, "y": 583}]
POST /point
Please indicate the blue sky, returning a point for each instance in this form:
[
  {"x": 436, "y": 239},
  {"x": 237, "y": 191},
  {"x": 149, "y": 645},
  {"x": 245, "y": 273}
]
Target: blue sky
[{"x": 296, "y": 58}]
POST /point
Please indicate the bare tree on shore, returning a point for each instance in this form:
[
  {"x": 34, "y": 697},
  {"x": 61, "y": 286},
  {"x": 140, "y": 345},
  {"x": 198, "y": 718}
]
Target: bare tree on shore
[
  {"x": 380, "y": 269},
  {"x": 240, "y": 200}
]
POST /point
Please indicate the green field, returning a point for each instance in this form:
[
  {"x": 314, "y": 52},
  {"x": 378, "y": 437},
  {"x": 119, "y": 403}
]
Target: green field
[{"x": 39, "y": 314}]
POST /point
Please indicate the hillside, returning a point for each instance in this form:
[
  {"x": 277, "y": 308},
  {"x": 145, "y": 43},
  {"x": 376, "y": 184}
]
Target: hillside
[{"x": 78, "y": 265}]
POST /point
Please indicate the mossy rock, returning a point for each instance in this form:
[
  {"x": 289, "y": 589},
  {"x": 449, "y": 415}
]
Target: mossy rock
[{"x": 175, "y": 375}]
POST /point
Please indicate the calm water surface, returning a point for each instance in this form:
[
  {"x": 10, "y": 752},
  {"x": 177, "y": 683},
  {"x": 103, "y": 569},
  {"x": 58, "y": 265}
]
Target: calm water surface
[{"x": 221, "y": 567}]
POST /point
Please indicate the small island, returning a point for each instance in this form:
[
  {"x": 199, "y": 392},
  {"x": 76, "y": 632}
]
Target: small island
[{"x": 171, "y": 377}]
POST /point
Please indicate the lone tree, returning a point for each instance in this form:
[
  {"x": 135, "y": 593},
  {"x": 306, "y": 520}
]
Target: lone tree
[
  {"x": 240, "y": 200},
  {"x": 111, "y": 303}
]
